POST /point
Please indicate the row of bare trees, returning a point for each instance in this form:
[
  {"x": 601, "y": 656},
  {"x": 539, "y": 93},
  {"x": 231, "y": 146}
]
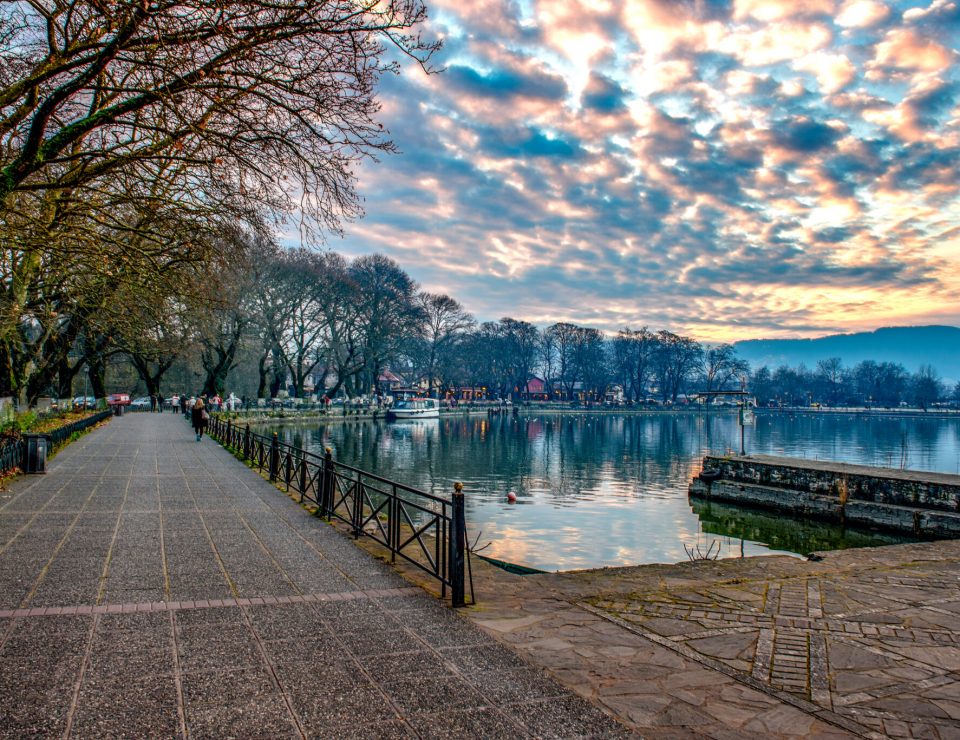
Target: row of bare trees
[
  {"x": 315, "y": 321},
  {"x": 574, "y": 360},
  {"x": 147, "y": 149},
  {"x": 867, "y": 383}
]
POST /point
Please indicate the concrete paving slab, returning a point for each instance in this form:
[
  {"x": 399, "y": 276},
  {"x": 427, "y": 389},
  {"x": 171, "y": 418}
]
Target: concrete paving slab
[{"x": 157, "y": 588}]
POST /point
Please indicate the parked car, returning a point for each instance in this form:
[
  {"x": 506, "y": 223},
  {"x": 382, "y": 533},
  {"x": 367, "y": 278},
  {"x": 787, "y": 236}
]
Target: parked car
[
  {"x": 87, "y": 402},
  {"x": 118, "y": 399},
  {"x": 140, "y": 404}
]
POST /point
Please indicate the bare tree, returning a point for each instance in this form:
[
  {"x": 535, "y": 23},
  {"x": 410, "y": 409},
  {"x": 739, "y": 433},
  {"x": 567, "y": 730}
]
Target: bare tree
[
  {"x": 721, "y": 367},
  {"x": 388, "y": 312},
  {"x": 519, "y": 346},
  {"x": 633, "y": 353},
  {"x": 445, "y": 322},
  {"x": 564, "y": 337},
  {"x": 241, "y": 90},
  {"x": 676, "y": 358}
]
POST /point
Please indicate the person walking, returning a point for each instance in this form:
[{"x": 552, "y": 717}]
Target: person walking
[
  {"x": 199, "y": 417},
  {"x": 183, "y": 404},
  {"x": 153, "y": 403}
]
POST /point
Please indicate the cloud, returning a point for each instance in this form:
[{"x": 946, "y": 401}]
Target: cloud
[
  {"x": 604, "y": 95},
  {"x": 503, "y": 83},
  {"x": 730, "y": 168},
  {"x": 905, "y": 49},
  {"x": 861, "y": 13},
  {"x": 805, "y": 136}
]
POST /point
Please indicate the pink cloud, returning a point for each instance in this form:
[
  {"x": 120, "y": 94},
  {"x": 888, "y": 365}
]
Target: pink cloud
[{"x": 905, "y": 49}]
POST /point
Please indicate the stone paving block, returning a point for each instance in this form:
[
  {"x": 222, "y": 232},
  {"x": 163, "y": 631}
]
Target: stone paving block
[
  {"x": 226, "y": 687},
  {"x": 375, "y": 642},
  {"x": 264, "y": 717},
  {"x": 370, "y": 620},
  {"x": 416, "y": 694},
  {"x": 347, "y": 607},
  {"x": 226, "y": 655},
  {"x": 488, "y": 657},
  {"x": 515, "y": 685},
  {"x": 36, "y": 695},
  {"x": 307, "y": 654},
  {"x": 48, "y": 639},
  {"x": 565, "y": 718},
  {"x": 323, "y": 713},
  {"x": 485, "y": 722},
  {"x": 395, "y": 730},
  {"x": 421, "y": 662}
]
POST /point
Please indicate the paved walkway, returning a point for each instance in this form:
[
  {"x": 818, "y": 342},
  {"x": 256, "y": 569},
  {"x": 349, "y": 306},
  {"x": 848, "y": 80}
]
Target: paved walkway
[
  {"x": 151, "y": 586},
  {"x": 862, "y": 643}
]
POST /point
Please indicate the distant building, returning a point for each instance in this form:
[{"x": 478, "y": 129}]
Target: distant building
[
  {"x": 388, "y": 383},
  {"x": 536, "y": 390}
]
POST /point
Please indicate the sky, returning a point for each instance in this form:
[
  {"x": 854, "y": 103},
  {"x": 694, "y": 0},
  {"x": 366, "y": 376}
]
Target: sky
[{"x": 726, "y": 170}]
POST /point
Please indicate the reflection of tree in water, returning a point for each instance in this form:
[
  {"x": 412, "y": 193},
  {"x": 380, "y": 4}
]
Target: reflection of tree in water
[
  {"x": 564, "y": 458},
  {"x": 560, "y": 457},
  {"x": 784, "y": 532}
]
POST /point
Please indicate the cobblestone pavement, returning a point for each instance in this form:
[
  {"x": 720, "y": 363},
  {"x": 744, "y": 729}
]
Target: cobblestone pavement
[
  {"x": 876, "y": 645},
  {"x": 152, "y": 586},
  {"x": 862, "y": 643}
]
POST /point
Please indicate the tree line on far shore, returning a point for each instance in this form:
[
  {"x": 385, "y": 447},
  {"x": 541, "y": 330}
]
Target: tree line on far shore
[{"x": 300, "y": 322}]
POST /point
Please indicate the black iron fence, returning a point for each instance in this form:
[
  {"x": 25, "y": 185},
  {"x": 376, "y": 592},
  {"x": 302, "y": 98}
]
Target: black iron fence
[
  {"x": 13, "y": 450},
  {"x": 425, "y": 530},
  {"x": 11, "y": 455}
]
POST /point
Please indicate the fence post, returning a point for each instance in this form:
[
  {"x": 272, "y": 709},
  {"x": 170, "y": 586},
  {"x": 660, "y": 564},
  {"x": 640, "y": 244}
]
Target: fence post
[
  {"x": 356, "y": 516},
  {"x": 246, "y": 442},
  {"x": 458, "y": 547},
  {"x": 394, "y": 524},
  {"x": 274, "y": 457},
  {"x": 229, "y": 440},
  {"x": 303, "y": 475},
  {"x": 326, "y": 487}
]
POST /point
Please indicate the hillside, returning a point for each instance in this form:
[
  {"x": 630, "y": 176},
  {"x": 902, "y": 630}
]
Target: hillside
[{"x": 911, "y": 346}]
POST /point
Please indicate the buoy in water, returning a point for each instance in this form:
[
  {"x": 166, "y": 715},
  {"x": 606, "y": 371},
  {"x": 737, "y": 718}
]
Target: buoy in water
[{"x": 511, "y": 498}]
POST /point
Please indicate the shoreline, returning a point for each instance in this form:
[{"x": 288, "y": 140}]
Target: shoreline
[{"x": 262, "y": 418}]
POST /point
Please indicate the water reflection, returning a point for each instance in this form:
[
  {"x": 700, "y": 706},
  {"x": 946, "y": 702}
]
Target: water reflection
[{"x": 612, "y": 490}]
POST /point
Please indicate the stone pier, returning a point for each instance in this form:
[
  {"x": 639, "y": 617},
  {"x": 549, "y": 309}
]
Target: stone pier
[{"x": 912, "y": 502}]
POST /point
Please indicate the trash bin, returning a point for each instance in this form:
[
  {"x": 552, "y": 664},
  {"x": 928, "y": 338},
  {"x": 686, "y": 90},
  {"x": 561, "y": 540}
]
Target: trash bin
[
  {"x": 35, "y": 453},
  {"x": 118, "y": 409}
]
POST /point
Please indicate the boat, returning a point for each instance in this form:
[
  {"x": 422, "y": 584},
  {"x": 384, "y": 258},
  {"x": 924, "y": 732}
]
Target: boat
[{"x": 415, "y": 408}]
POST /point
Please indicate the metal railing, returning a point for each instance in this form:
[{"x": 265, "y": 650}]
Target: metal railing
[
  {"x": 427, "y": 531},
  {"x": 13, "y": 450},
  {"x": 11, "y": 455},
  {"x": 62, "y": 434}
]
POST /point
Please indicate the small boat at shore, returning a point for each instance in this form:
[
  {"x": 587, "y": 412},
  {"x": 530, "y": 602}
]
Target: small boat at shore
[{"x": 415, "y": 408}]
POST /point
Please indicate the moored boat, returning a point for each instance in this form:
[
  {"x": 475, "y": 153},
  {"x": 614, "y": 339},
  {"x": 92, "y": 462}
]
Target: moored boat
[{"x": 415, "y": 408}]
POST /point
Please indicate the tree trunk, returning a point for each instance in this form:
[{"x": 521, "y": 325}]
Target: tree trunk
[
  {"x": 65, "y": 375},
  {"x": 96, "y": 372},
  {"x": 151, "y": 379}
]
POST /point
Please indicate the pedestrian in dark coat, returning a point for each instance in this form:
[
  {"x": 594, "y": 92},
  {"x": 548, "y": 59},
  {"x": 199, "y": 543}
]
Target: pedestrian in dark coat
[{"x": 198, "y": 417}]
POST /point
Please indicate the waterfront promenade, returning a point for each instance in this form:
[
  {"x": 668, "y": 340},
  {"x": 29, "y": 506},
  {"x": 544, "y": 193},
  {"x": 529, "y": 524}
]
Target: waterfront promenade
[
  {"x": 861, "y": 642},
  {"x": 153, "y": 586}
]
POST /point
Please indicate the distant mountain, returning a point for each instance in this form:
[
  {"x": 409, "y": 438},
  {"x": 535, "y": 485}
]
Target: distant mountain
[{"x": 911, "y": 346}]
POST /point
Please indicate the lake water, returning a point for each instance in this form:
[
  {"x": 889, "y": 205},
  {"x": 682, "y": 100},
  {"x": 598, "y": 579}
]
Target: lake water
[{"x": 597, "y": 491}]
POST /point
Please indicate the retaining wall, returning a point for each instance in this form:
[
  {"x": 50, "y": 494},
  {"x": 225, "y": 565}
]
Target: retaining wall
[{"x": 919, "y": 503}]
